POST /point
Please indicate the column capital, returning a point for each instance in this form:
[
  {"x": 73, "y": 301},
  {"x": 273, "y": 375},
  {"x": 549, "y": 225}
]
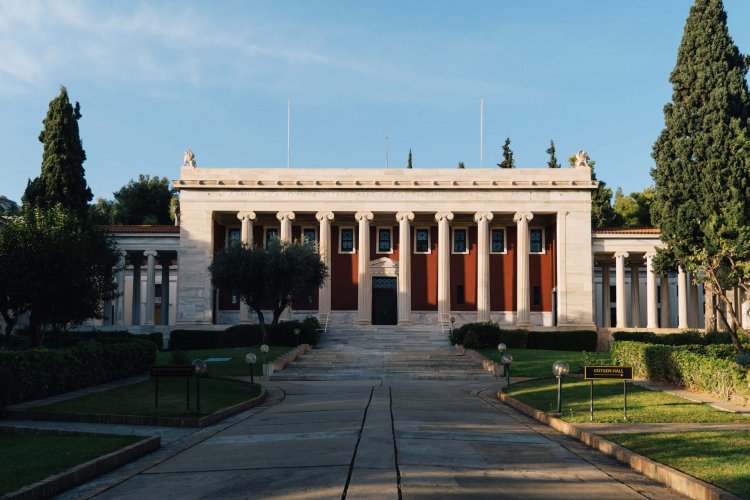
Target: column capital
[
  {"x": 439, "y": 216},
  {"x": 404, "y": 216},
  {"x": 284, "y": 215},
  {"x": 246, "y": 215},
  {"x": 150, "y": 253},
  {"x": 520, "y": 216},
  {"x": 483, "y": 216},
  {"x": 321, "y": 216},
  {"x": 621, "y": 253},
  {"x": 359, "y": 216},
  {"x": 650, "y": 254}
]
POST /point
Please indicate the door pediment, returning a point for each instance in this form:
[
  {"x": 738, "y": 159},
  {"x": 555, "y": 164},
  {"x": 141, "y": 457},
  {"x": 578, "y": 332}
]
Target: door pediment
[{"x": 383, "y": 267}]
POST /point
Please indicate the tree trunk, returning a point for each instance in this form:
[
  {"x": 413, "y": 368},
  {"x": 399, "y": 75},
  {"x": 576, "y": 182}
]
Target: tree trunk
[
  {"x": 10, "y": 321},
  {"x": 709, "y": 315},
  {"x": 37, "y": 335},
  {"x": 733, "y": 325},
  {"x": 262, "y": 324}
]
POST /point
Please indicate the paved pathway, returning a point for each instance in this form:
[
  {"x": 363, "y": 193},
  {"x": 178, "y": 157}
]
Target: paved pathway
[{"x": 365, "y": 439}]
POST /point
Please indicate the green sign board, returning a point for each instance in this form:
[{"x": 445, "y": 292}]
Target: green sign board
[{"x": 608, "y": 372}]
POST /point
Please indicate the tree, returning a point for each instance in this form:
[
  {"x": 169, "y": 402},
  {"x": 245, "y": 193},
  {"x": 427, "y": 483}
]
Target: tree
[
  {"x": 507, "y": 156},
  {"x": 552, "y": 163},
  {"x": 633, "y": 210},
  {"x": 8, "y": 207},
  {"x": 602, "y": 213},
  {"x": 276, "y": 274},
  {"x": 702, "y": 173},
  {"x": 102, "y": 212},
  {"x": 145, "y": 201},
  {"x": 62, "y": 177},
  {"x": 56, "y": 268},
  {"x": 408, "y": 162}
]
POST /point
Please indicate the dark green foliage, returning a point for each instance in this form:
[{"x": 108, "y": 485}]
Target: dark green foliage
[
  {"x": 180, "y": 358},
  {"x": 552, "y": 163},
  {"x": 471, "y": 340},
  {"x": 240, "y": 336},
  {"x": 145, "y": 201},
  {"x": 38, "y": 373},
  {"x": 62, "y": 177},
  {"x": 508, "y": 161},
  {"x": 633, "y": 210},
  {"x": 461, "y": 165},
  {"x": 602, "y": 212},
  {"x": 193, "y": 339},
  {"x": 489, "y": 335},
  {"x": 102, "y": 213},
  {"x": 71, "y": 339},
  {"x": 281, "y": 334},
  {"x": 8, "y": 207},
  {"x": 683, "y": 366},
  {"x": 682, "y": 338},
  {"x": 702, "y": 173},
  {"x": 408, "y": 161}
]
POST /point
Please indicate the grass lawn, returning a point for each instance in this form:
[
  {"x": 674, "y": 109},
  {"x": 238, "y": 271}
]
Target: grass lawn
[
  {"x": 138, "y": 399},
  {"x": 644, "y": 405},
  {"x": 718, "y": 457},
  {"x": 236, "y": 367},
  {"x": 27, "y": 458},
  {"x": 538, "y": 362}
]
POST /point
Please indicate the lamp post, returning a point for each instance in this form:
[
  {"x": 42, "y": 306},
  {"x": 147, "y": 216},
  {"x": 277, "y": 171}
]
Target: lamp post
[
  {"x": 506, "y": 360},
  {"x": 453, "y": 320},
  {"x": 250, "y": 359},
  {"x": 296, "y": 335},
  {"x": 200, "y": 368},
  {"x": 263, "y": 351},
  {"x": 560, "y": 369}
]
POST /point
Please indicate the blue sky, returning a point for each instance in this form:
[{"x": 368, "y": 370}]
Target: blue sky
[{"x": 156, "y": 78}]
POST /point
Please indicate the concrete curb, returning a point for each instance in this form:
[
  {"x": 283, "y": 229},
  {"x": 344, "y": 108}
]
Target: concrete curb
[
  {"x": 140, "y": 419},
  {"x": 84, "y": 472},
  {"x": 678, "y": 481}
]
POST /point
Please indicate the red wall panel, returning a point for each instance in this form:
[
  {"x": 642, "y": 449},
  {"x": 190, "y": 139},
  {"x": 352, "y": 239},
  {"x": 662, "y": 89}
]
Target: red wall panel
[
  {"x": 542, "y": 272},
  {"x": 424, "y": 275},
  {"x": 464, "y": 273},
  {"x": 503, "y": 275},
  {"x": 344, "y": 271}
]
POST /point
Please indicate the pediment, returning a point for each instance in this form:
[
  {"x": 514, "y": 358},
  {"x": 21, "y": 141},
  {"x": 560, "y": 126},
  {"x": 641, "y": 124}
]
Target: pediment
[{"x": 383, "y": 263}]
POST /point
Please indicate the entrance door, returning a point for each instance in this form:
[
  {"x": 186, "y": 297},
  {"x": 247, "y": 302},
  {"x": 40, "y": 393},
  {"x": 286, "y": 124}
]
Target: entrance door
[{"x": 384, "y": 301}]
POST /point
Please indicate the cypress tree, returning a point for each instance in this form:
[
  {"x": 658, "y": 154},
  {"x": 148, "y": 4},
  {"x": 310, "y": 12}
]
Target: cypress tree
[
  {"x": 461, "y": 165},
  {"x": 62, "y": 177},
  {"x": 552, "y": 163},
  {"x": 702, "y": 173},
  {"x": 507, "y": 156},
  {"x": 408, "y": 162}
]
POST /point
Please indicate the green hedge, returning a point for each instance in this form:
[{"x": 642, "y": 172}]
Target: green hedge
[
  {"x": 489, "y": 334},
  {"x": 38, "y": 373},
  {"x": 685, "y": 366},
  {"x": 281, "y": 334},
  {"x": 689, "y": 337},
  {"x": 54, "y": 340}
]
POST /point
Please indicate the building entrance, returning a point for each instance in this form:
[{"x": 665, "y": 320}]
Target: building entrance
[{"x": 384, "y": 301}]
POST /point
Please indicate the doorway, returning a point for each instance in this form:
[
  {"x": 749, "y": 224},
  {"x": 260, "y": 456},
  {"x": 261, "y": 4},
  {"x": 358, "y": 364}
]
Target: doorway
[{"x": 384, "y": 301}]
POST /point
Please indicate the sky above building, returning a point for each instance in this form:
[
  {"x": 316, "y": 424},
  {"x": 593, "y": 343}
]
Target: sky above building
[{"x": 156, "y": 78}]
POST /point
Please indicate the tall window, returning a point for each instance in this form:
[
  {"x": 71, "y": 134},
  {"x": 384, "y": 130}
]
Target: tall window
[
  {"x": 309, "y": 236},
  {"x": 384, "y": 240},
  {"x": 422, "y": 240},
  {"x": 233, "y": 236},
  {"x": 271, "y": 233},
  {"x": 537, "y": 240},
  {"x": 346, "y": 242},
  {"x": 498, "y": 240},
  {"x": 459, "y": 240}
]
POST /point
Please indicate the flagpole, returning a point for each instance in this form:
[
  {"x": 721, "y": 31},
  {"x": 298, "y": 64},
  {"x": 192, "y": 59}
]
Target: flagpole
[
  {"x": 288, "y": 133},
  {"x": 481, "y": 133}
]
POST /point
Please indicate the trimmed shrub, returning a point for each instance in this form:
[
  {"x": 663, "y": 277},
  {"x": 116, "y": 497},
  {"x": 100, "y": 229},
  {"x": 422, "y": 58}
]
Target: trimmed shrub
[
  {"x": 54, "y": 340},
  {"x": 193, "y": 339},
  {"x": 240, "y": 336},
  {"x": 283, "y": 333},
  {"x": 471, "y": 340},
  {"x": 685, "y": 366},
  {"x": 574, "y": 340},
  {"x": 38, "y": 373},
  {"x": 688, "y": 337},
  {"x": 489, "y": 334},
  {"x": 247, "y": 335}
]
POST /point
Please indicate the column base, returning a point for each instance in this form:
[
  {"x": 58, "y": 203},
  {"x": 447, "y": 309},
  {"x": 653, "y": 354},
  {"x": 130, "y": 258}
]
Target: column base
[
  {"x": 524, "y": 324},
  {"x": 405, "y": 322},
  {"x": 364, "y": 322}
]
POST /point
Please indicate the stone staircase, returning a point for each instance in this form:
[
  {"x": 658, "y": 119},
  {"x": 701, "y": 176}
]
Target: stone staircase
[{"x": 380, "y": 352}]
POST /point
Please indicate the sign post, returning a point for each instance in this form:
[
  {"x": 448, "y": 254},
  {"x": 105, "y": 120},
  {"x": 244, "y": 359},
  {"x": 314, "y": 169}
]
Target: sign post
[
  {"x": 623, "y": 373},
  {"x": 158, "y": 371}
]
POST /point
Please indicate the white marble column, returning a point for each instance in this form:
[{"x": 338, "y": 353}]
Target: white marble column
[
  {"x": 324, "y": 248},
  {"x": 620, "y": 257},
  {"x": 150, "y": 286},
  {"x": 682, "y": 299},
  {"x": 664, "y": 316},
  {"x": 635, "y": 295},
  {"x": 693, "y": 321},
  {"x": 404, "y": 267},
  {"x": 651, "y": 317},
  {"x": 135, "y": 303},
  {"x": 165, "y": 263},
  {"x": 119, "y": 319},
  {"x": 364, "y": 291},
  {"x": 246, "y": 234},
  {"x": 444, "y": 263},
  {"x": 286, "y": 219},
  {"x": 561, "y": 237},
  {"x": 483, "y": 264},
  {"x": 606, "y": 299},
  {"x": 523, "y": 290}
]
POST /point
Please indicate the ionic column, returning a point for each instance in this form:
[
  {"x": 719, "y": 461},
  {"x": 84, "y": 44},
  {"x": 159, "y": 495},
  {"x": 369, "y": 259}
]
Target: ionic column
[
  {"x": 119, "y": 319},
  {"x": 444, "y": 263},
  {"x": 364, "y": 293},
  {"x": 664, "y": 317},
  {"x": 606, "y": 299},
  {"x": 286, "y": 219},
  {"x": 324, "y": 248},
  {"x": 681, "y": 298},
  {"x": 164, "y": 320},
  {"x": 692, "y": 303},
  {"x": 523, "y": 291},
  {"x": 150, "y": 285},
  {"x": 483, "y": 264},
  {"x": 635, "y": 296},
  {"x": 651, "y": 317},
  {"x": 561, "y": 236},
  {"x": 246, "y": 234},
  {"x": 404, "y": 267},
  {"x": 620, "y": 288},
  {"x": 135, "y": 315}
]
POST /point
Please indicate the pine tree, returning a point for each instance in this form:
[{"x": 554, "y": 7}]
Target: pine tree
[
  {"x": 552, "y": 163},
  {"x": 62, "y": 177},
  {"x": 408, "y": 162},
  {"x": 507, "y": 156},
  {"x": 702, "y": 174}
]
